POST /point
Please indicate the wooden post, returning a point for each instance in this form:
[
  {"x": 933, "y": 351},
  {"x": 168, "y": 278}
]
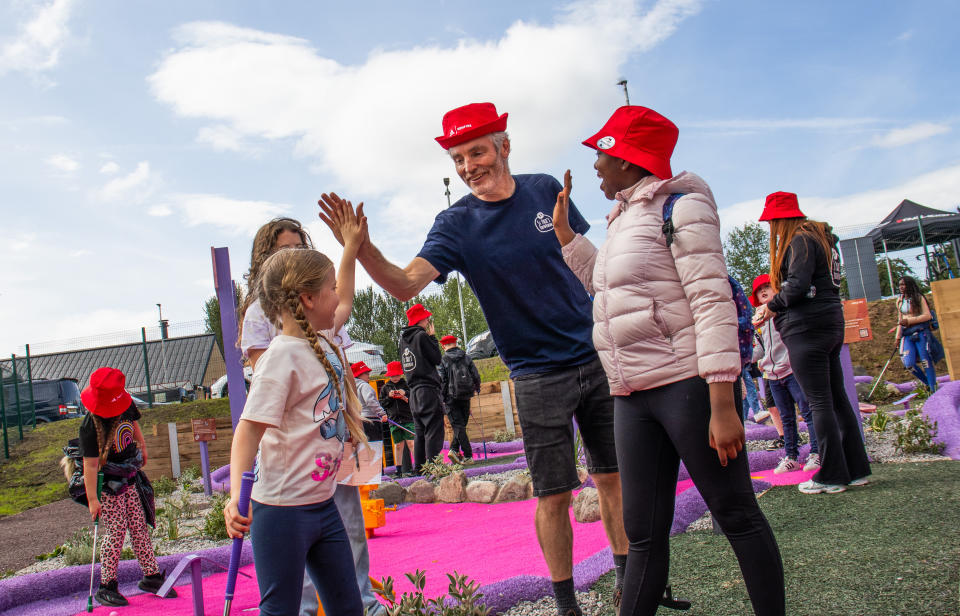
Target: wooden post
[
  {"x": 946, "y": 301},
  {"x": 507, "y": 406},
  {"x": 174, "y": 450}
]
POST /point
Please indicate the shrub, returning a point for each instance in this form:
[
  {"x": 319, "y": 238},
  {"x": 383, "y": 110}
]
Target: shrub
[
  {"x": 464, "y": 600},
  {"x": 502, "y": 436},
  {"x": 163, "y": 486},
  {"x": 436, "y": 469},
  {"x": 78, "y": 550},
  {"x": 170, "y": 516},
  {"x": 915, "y": 434},
  {"x": 214, "y": 524}
]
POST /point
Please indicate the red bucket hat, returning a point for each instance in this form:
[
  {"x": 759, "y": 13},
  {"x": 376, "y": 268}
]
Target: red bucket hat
[
  {"x": 448, "y": 340},
  {"x": 417, "y": 313},
  {"x": 359, "y": 368},
  {"x": 105, "y": 395},
  {"x": 781, "y": 205},
  {"x": 394, "y": 368},
  {"x": 758, "y": 282},
  {"x": 640, "y": 136},
  {"x": 469, "y": 122}
]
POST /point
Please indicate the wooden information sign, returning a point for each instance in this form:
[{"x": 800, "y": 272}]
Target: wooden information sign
[
  {"x": 204, "y": 429},
  {"x": 856, "y": 321}
]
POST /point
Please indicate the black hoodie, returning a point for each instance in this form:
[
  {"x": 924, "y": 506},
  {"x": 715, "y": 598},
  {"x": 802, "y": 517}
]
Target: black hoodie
[
  {"x": 420, "y": 356},
  {"x": 809, "y": 296},
  {"x": 397, "y": 409}
]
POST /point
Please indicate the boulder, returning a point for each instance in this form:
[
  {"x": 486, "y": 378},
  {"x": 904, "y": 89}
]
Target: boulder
[
  {"x": 517, "y": 488},
  {"x": 452, "y": 488},
  {"x": 482, "y": 491},
  {"x": 582, "y": 474},
  {"x": 586, "y": 506},
  {"x": 391, "y": 493},
  {"x": 421, "y": 491}
]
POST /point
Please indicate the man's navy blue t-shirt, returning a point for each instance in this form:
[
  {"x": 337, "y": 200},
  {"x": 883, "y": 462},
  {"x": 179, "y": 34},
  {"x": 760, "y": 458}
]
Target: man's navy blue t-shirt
[{"x": 538, "y": 312}]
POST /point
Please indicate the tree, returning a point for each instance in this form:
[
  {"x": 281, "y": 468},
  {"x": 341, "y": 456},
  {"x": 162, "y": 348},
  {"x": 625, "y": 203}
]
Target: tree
[
  {"x": 211, "y": 315},
  {"x": 747, "y": 252},
  {"x": 445, "y": 307}
]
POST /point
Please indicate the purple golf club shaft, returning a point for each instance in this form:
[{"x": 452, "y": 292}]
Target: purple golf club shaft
[{"x": 243, "y": 505}]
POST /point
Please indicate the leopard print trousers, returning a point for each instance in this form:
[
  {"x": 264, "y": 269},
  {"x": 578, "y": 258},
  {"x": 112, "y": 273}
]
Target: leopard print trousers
[{"x": 120, "y": 513}]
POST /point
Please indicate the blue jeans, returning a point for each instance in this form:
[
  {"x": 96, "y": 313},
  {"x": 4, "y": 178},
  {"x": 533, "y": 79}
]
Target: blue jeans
[
  {"x": 750, "y": 387},
  {"x": 785, "y": 392},
  {"x": 286, "y": 538},
  {"x": 348, "y": 503},
  {"x": 915, "y": 355}
]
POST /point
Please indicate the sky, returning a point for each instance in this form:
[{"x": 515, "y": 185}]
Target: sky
[{"x": 136, "y": 136}]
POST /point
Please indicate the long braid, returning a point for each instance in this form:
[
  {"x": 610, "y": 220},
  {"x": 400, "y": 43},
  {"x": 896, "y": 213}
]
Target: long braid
[
  {"x": 105, "y": 434},
  {"x": 351, "y": 407}
]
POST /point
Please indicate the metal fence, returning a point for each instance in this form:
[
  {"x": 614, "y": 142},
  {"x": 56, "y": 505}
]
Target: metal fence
[{"x": 177, "y": 362}]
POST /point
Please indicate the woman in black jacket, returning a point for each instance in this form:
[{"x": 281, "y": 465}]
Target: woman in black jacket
[{"x": 805, "y": 273}]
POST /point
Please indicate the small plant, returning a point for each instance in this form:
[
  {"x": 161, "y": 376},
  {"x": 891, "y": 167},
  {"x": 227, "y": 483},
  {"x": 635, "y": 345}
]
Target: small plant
[
  {"x": 879, "y": 421},
  {"x": 915, "y": 434},
  {"x": 191, "y": 473},
  {"x": 57, "y": 551},
  {"x": 164, "y": 486},
  {"x": 461, "y": 599},
  {"x": 173, "y": 512},
  {"x": 923, "y": 392},
  {"x": 214, "y": 524},
  {"x": 436, "y": 469},
  {"x": 502, "y": 436},
  {"x": 78, "y": 549}
]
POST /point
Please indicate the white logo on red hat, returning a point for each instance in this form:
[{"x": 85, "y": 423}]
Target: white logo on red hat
[
  {"x": 543, "y": 223},
  {"x": 605, "y": 143},
  {"x": 457, "y": 129}
]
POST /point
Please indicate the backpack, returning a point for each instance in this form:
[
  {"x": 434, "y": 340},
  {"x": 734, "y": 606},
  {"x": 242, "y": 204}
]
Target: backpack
[
  {"x": 459, "y": 379},
  {"x": 745, "y": 329}
]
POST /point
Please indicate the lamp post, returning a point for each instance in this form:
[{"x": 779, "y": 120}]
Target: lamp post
[
  {"x": 463, "y": 320},
  {"x": 623, "y": 82},
  {"x": 163, "y": 336}
]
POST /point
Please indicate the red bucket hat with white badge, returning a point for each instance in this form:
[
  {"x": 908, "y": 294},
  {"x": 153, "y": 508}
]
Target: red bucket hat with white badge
[
  {"x": 417, "y": 313},
  {"x": 469, "y": 122},
  {"x": 105, "y": 396},
  {"x": 359, "y": 368},
  {"x": 638, "y": 135}
]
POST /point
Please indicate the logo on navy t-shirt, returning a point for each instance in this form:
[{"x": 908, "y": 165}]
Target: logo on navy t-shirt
[{"x": 543, "y": 223}]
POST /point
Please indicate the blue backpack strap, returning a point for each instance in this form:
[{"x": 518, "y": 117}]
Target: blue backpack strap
[{"x": 667, "y": 227}]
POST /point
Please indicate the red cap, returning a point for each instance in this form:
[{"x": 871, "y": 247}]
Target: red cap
[
  {"x": 758, "y": 282},
  {"x": 417, "y": 313},
  {"x": 394, "y": 368},
  {"x": 448, "y": 340},
  {"x": 105, "y": 396},
  {"x": 469, "y": 122},
  {"x": 781, "y": 205},
  {"x": 359, "y": 368},
  {"x": 640, "y": 136}
]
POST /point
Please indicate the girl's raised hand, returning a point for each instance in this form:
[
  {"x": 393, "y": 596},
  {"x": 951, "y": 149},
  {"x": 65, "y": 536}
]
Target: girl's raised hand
[
  {"x": 236, "y": 523},
  {"x": 332, "y": 212},
  {"x": 561, "y": 212},
  {"x": 353, "y": 225}
]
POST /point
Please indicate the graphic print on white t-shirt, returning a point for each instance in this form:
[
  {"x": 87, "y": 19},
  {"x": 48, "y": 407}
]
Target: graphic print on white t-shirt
[{"x": 326, "y": 410}]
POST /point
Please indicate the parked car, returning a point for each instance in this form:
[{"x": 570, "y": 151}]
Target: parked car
[
  {"x": 219, "y": 388},
  {"x": 481, "y": 346},
  {"x": 371, "y": 354},
  {"x": 142, "y": 404},
  {"x": 54, "y": 399}
]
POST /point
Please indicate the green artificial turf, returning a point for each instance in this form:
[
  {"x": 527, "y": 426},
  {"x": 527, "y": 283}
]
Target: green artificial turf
[{"x": 892, "y": 547}]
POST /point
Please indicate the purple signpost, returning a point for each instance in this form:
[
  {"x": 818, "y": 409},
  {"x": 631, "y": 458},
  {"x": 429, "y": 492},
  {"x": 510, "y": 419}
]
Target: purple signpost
[
  {"x": 236, "y": 385},
  {"x": 850, "y": 384}
]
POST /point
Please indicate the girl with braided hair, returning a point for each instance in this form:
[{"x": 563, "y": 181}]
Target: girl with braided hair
[{"x": 301, "y": 408}]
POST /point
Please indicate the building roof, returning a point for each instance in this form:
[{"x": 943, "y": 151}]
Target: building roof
[{"x": 172, "y": 362}]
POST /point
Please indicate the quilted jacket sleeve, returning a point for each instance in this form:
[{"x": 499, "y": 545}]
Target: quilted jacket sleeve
[
  {"x": 698, "y": 254},
  {"x": 580, "y": 255}
]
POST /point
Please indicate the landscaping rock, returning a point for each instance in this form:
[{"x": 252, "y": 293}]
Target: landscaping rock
[
  {"x": 482, "y": 491},
  {"x": 863, "y": 391},
  {"x": 421, "y": 491},
  {"x": 586, "y": 506},
  {"x": 518, "y": 488},
  {"x": 582, "y": 474},
  {"x": 391, "y": 493},
  {"x": 452, "y": 488}
]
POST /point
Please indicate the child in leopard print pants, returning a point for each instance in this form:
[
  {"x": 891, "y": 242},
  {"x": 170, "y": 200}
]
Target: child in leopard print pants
[{"x": 111, "y": 441}]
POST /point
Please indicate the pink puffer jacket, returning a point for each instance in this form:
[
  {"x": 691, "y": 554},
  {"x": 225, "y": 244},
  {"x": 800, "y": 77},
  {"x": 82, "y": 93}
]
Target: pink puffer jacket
[{"x": 660, "y": 314}]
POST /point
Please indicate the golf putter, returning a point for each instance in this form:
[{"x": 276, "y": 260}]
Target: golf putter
[
  {"x": 93, "y": 559},
  {"x": 673, "y": 603},
  {"x": 880, "y": 377},
  {"x": 243, "y": 505}
]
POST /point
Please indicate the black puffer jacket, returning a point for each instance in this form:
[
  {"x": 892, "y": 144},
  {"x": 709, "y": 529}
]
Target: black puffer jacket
[{"x": 809, "y": 296}]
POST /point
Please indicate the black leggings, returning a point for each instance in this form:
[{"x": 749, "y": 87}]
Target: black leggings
[
  {"x": 655, "y": 429},
  {"x": 815, "y": 359}
]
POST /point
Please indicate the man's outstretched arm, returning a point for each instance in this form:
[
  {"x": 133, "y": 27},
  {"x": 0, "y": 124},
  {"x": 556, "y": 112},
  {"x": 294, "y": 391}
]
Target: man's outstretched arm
[{"x": 402, "y": 283}]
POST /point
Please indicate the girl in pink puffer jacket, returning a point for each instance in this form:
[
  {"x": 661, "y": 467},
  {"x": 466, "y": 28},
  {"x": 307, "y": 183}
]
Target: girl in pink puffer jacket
[{"x": 666, "y": 331}]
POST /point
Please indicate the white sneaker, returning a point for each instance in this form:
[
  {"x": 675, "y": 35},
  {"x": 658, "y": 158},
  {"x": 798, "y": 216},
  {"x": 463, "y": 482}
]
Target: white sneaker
[
  {"x": 862, "y": 481},
  {"x": 454, "y": 457},
  {"x": 813, "y": 462},
  {"x": 814, "y": 487},
  {"x": 787, "y": 465},
  {"x": 761, "y": 417}
]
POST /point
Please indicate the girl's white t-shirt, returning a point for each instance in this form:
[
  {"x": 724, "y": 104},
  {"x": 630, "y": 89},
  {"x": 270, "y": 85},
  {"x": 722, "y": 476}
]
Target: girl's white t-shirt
[
  {"x": 258, "y": 330},
  {"x": 301, "y": 450}
]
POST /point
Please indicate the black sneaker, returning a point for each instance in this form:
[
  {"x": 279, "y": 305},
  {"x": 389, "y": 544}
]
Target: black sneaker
[
  {"x": 152, "y": 583},
  {"x": 108, "y": 595},
  {"x": 775, "y": 445}
]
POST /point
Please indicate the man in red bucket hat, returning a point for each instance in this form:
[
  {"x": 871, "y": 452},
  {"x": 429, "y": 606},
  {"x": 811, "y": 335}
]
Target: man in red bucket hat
[
  {"x": 500, "y": 237},
  {"x": 420, "y": 356}
]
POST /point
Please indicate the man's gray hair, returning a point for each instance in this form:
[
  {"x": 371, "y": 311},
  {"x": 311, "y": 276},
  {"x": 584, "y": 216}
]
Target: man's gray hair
[{"x": 498, "y": 139}]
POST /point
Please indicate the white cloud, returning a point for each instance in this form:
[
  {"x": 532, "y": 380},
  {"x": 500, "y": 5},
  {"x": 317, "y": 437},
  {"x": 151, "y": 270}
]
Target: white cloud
[
  {"x": 63, "y": 163},
  {"x": 109, "y": 168},
  {"x": 910, "y": 134},
  {"x": 906, "y": 35},
  {"x": 223, "y": 138},
  {"x": 135, "y": 187},
  {"x": 556, "y": 81},
  {"x": 82, "y": 252},
  {"x": 236, "y": 216},
  {"x": 38, "y": 42},
  {"x": 159, "y": 210},
  {"x": 938, "y": 189},
  {"x": 771, "y": 124}
]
